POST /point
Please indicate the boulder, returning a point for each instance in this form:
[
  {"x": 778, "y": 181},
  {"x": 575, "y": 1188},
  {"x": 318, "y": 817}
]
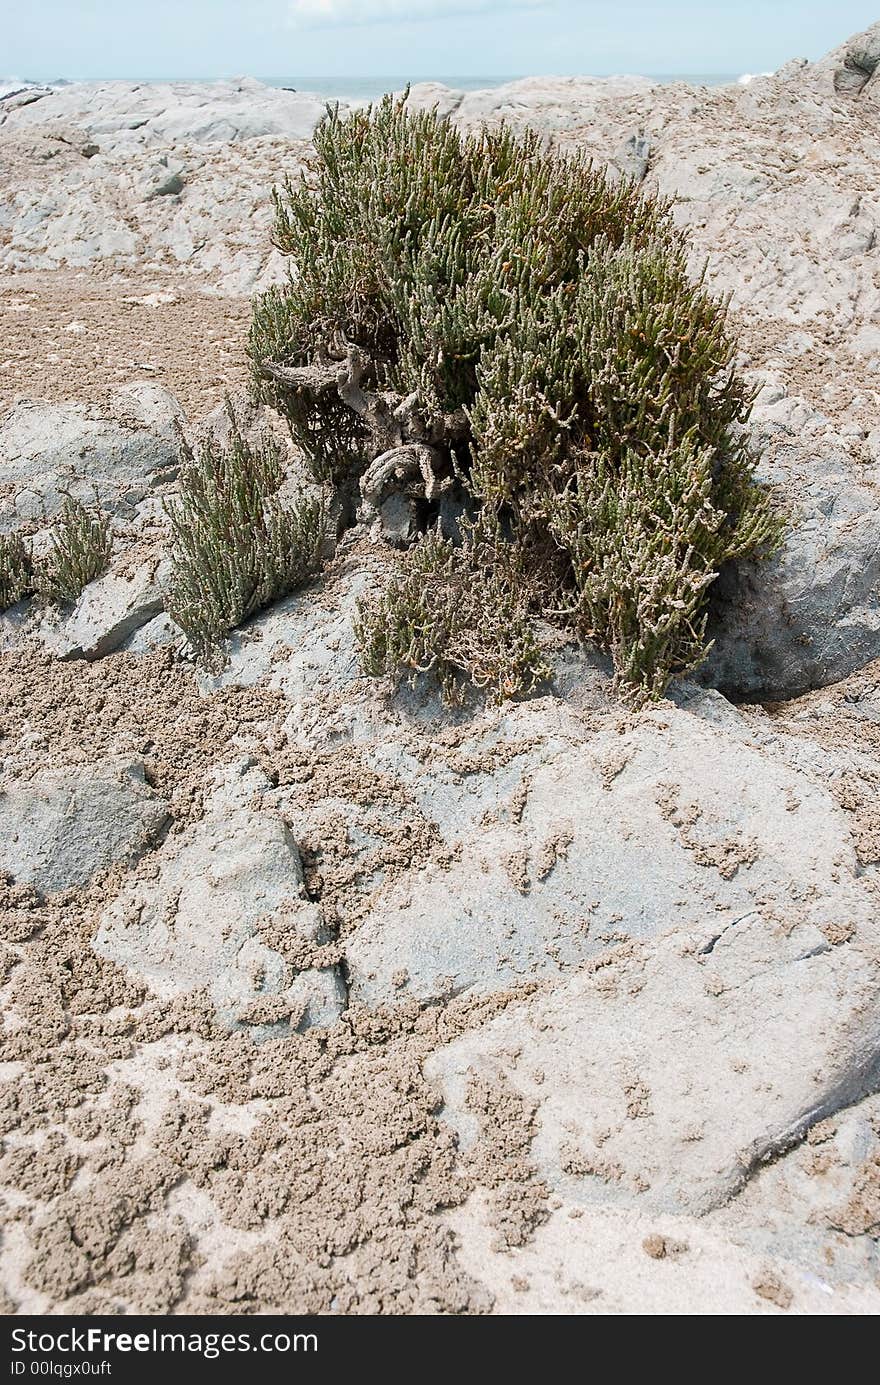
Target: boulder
[
  {"x": 64, "y": 825},
  {"x": 122, "y": 115},
  {"x": 399, "y": 520},
  {"x": 633, "y": 156},
  {"x": 809, "y": 615},
  {"x": 15, "y": 623},
  {"x": 614, "y": 1261},
  {"x": 194, "y": 924},
  {"x": 162, "y": 179},
  {"x": 434, "y": 96},
  {"x": 665, "y": 1076},
  {"x": 561, "y": 846},
  {"x": 304, "y": 644},
  {"x": 159, "y": 631},
  {"x": 108, "y": 614},
  {"x": 551, "y": 105},
  {"x": 853, "y": 64},
  {"x": 825, "y": 1190},
  {"x": 117, "y": 453}
]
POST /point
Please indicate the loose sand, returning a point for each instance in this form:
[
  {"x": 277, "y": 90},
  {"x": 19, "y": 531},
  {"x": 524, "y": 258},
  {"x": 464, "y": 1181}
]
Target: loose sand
[{"x": 69, "y": 335}]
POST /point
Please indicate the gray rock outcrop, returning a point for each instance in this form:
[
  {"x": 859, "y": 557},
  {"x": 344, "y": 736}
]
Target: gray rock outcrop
[
  {"x": 126, "y": 115},
  {"x": 854, "y": 64},
  {"x": 192, "y": 924},
  {"x": 601, "y": 986},
  {"x": 107, "y": 615},
  {"x": 48, "y": 451},
  {"x": 61, "y": 827},
  {"x": 564, "y": 846},
  {"x": 666, "y": 1076},
  {"x": 810, "y": 614}
]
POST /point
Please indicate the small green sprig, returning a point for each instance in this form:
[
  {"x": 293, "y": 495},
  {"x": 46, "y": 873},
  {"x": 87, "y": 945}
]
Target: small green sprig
[
  {"x": 235, "y": 547},
  {"x": 16, "y": 569},
  {"x": 80, "y": 552}
]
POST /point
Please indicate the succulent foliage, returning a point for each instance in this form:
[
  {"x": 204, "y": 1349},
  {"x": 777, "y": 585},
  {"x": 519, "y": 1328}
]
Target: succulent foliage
[
  {"x": 80, "y": 552},
  {"x": 455, "y": 612},
  {"x": 16, "y": 569},
  {"x": 472, "y": 310},
  {"x": 235, "y": 545}
]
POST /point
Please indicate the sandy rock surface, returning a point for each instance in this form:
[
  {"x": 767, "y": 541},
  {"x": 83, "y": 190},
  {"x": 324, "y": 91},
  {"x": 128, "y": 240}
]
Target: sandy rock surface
[
  {"x": 63, "y": 826},
  {"x": 319, "y": 998},
  {"x": 48, "y": 452},
  {"x": 192, "y": 921}
]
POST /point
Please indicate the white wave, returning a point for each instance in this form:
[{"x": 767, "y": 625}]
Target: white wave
[
  {"x": 751, "y": 77},
  {"x": 9, "y": 86}
]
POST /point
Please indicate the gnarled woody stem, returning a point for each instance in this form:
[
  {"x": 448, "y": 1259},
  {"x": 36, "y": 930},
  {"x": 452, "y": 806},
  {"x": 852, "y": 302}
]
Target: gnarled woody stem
[
  {"x": 346, "y": 377},
  {"x": 397, "y": 468},
  {"x": 405, "y": 447}
]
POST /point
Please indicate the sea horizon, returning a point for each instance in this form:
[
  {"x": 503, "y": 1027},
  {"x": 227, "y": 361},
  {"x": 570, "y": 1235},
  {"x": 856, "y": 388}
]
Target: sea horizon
[{"x": 371, "y": 88}]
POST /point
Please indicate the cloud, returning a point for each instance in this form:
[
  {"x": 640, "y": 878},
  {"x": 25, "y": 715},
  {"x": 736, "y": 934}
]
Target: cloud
[{"x": 320, "y": 14}]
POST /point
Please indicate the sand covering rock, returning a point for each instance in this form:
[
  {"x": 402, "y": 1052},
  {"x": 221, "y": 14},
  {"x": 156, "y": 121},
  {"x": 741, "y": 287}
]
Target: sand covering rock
[
  {"x": 81, "y": 333},
  {"x": 714, "y": 1145},
  {"x": 154, "y": 1162}
]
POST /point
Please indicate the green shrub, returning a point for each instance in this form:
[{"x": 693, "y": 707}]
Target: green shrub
[
  {"x": 16, "y": 569},
  {"x": 455, "y": 613},
  {"x": 470, "y": 310},
  {"x": 80, "y": 552},
  {"x": 235, "y": 547}
]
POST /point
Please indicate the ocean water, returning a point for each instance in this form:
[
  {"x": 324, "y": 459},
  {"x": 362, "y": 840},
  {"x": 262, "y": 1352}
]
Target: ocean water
[{"x": 371, "y": 88}]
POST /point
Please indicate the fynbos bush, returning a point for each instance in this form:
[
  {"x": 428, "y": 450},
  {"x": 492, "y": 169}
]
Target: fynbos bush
[
  {"x": 471, "y": 311},
  {"x": 235, "y": 546},
  {"x": 16, "y": 569},
  {"x": 81, "y": 546}
]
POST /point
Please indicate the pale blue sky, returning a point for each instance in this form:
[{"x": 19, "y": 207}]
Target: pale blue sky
[{"x": 299, "y": 39}]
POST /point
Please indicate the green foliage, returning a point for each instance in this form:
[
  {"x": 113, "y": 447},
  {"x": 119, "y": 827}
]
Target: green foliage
[
  {"x": 16, "y": 569},
  {"x": 453, "y": 613},
  {"x": 81, "y": 546},
  {"x": 235, "y": 546},
  {"x": 516, "y": 321}
]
